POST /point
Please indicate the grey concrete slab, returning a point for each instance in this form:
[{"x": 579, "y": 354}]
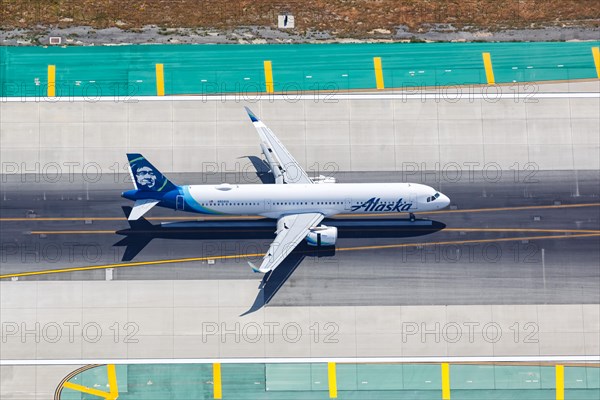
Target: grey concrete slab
[
  {"x": 281, "y": 111},
  {"x": 236, "y": 133},
  {"x": 145, "y": 112},
  {"x": 329, "y": 157},
  {"x": 461, "y": 110},
  {"x": 61, "y": 135},
  {"x": 160, "y": 156},
  {"x": 194, "y": 134},
  {"x": 415, "y": 110},
  {"x": 580, "y": 108},
  {"x": 195, "y": 346},
  {"x": 379, "y": 345},
  {"x": 163, "y": 330},
  {"x": 586, "y": 131},
  {"x": 194, "y": 111},
  {"x": 552, "y": 156},
  {"x": 233, "y": 111},
  {"x": 19, "y": 112},
  {"x": 61, "y": 112},
  {"x": 503, "y": 109},
  {"x": 197, "y": 158},
  {"x": 195, "y": 294},
  {"x": 172, "y": 124},
  {"x": 504, "y": 131},
  {"x": 106, "y": 161},
  {"x": 232, "y": 157},
  {"x": 156, "y": 133},
  {"x": 460, "y": 132},
  {"x": 15, "y": 134},
  {"x": 455, "y": 156},
  {"x": 591, "y": 317},
  {"x": 105, "y": 134},
  {"x": 18, "y": 159},
  {"x": 361, "y": 156},
  {"x": 505, "y": 156},
  {"x": 547, "y": 108},
  {"x": 371, "y": 110},
  {"x": 372, "y": 132},
  {"x": 587, "y": 155},
  {"x": 424, "y": 157},
  {"x": 548, "y": 131},
  {"x": 415, "y": 133},
  {"x": 338, "y": 110},
  {"x": 592, "y": 342},
  {"x": 105, "y": 112},
  {"x": 31, "y": 382},
  {"x": 327, "y": 132}
]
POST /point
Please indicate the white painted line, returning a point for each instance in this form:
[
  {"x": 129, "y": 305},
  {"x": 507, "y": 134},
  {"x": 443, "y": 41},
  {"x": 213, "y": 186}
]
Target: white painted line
[
  {"x": 490, "y": 94},
  {"x": 352, "y": 360}
]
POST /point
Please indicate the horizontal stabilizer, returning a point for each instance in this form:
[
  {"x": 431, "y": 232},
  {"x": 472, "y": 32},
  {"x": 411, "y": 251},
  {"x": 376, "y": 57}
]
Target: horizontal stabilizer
[
  {"x": 141, "y": 207},
  {"x": 139, "y": 224}
]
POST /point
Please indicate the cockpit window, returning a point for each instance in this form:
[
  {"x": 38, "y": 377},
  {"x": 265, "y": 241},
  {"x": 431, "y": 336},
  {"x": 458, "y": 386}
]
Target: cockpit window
[{"x": 432, "y": 198}]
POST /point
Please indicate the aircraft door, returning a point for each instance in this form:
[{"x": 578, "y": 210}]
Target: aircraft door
[
  {"x": 179, "y": 203},
  {"x": 347, "y": 204},
  {"x": 267, "y": 204}
]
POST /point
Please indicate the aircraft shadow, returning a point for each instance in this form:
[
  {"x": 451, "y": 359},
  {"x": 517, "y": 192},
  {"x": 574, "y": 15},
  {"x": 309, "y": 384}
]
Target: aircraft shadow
[
  {"x": 142, "y": 232},
  {"x": 263, "y": 171}
]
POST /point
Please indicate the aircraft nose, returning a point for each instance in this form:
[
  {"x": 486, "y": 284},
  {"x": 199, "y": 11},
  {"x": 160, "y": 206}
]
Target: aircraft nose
[{"x": 444, "y": 200}]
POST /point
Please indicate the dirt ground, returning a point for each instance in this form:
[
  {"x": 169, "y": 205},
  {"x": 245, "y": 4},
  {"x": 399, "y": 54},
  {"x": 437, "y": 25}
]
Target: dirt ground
[
  {"x": 314, "y": 19},
  {"x": 346, "y": 17}
]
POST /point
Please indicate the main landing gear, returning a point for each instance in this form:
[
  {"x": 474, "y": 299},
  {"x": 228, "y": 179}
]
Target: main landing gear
[{"x": 411, "y": 216}]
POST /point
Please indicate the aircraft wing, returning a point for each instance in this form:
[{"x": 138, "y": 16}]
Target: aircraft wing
[
  {"x": 291, "y": 230},
  {"x": 283, "y": 165}
]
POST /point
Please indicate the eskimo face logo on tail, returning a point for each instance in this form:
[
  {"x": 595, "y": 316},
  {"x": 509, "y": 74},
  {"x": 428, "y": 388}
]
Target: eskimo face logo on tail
[
  {"x": 145, "y": 176},
  {"x": 375, "y": 204}
]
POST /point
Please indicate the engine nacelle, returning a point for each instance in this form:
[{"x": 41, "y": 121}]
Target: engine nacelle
[{"x": 322, "y": 236}]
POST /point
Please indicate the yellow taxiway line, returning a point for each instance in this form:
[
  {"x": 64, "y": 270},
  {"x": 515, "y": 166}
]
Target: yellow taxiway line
[
  {"x": 191, "y": 218},
  {"x": 237, "y": 256}
]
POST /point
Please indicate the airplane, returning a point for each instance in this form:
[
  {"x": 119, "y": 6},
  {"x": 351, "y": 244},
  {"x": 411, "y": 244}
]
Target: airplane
[{"x": 298, "y": 203}]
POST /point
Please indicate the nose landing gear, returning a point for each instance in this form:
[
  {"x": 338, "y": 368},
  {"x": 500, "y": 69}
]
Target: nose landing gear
[{"x": 411, "y": 216}]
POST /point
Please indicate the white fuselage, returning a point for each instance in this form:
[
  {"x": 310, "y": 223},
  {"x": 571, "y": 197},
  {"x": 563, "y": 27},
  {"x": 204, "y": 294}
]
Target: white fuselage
[{"x": 274, "y": 201}]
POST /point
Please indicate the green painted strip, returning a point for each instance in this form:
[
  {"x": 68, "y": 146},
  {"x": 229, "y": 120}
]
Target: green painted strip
[
  {"x": 355, "y": 381},
  {"x": 123, "y": 71},
  {"x": 163, "y": 185}
]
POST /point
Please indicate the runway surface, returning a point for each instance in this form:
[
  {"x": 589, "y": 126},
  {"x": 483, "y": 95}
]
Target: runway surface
[{"x": 525, "y": 238}]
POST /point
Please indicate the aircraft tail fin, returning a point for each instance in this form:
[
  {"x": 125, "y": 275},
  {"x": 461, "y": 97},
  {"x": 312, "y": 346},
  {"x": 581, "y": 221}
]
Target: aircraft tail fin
[{"x": 146, "y": 177}]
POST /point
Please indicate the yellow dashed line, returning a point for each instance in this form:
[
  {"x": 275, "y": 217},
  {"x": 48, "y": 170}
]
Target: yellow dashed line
[{"x": 236, "y": 256}]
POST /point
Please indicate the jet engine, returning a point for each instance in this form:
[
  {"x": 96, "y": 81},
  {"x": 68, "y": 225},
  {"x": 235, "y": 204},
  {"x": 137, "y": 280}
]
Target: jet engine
[{"x": 322, "y": 236}]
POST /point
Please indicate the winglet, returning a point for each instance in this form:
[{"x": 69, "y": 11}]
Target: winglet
[
  {"x": 256, "y": 270},
  {"x": 253, "y": 117}
]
